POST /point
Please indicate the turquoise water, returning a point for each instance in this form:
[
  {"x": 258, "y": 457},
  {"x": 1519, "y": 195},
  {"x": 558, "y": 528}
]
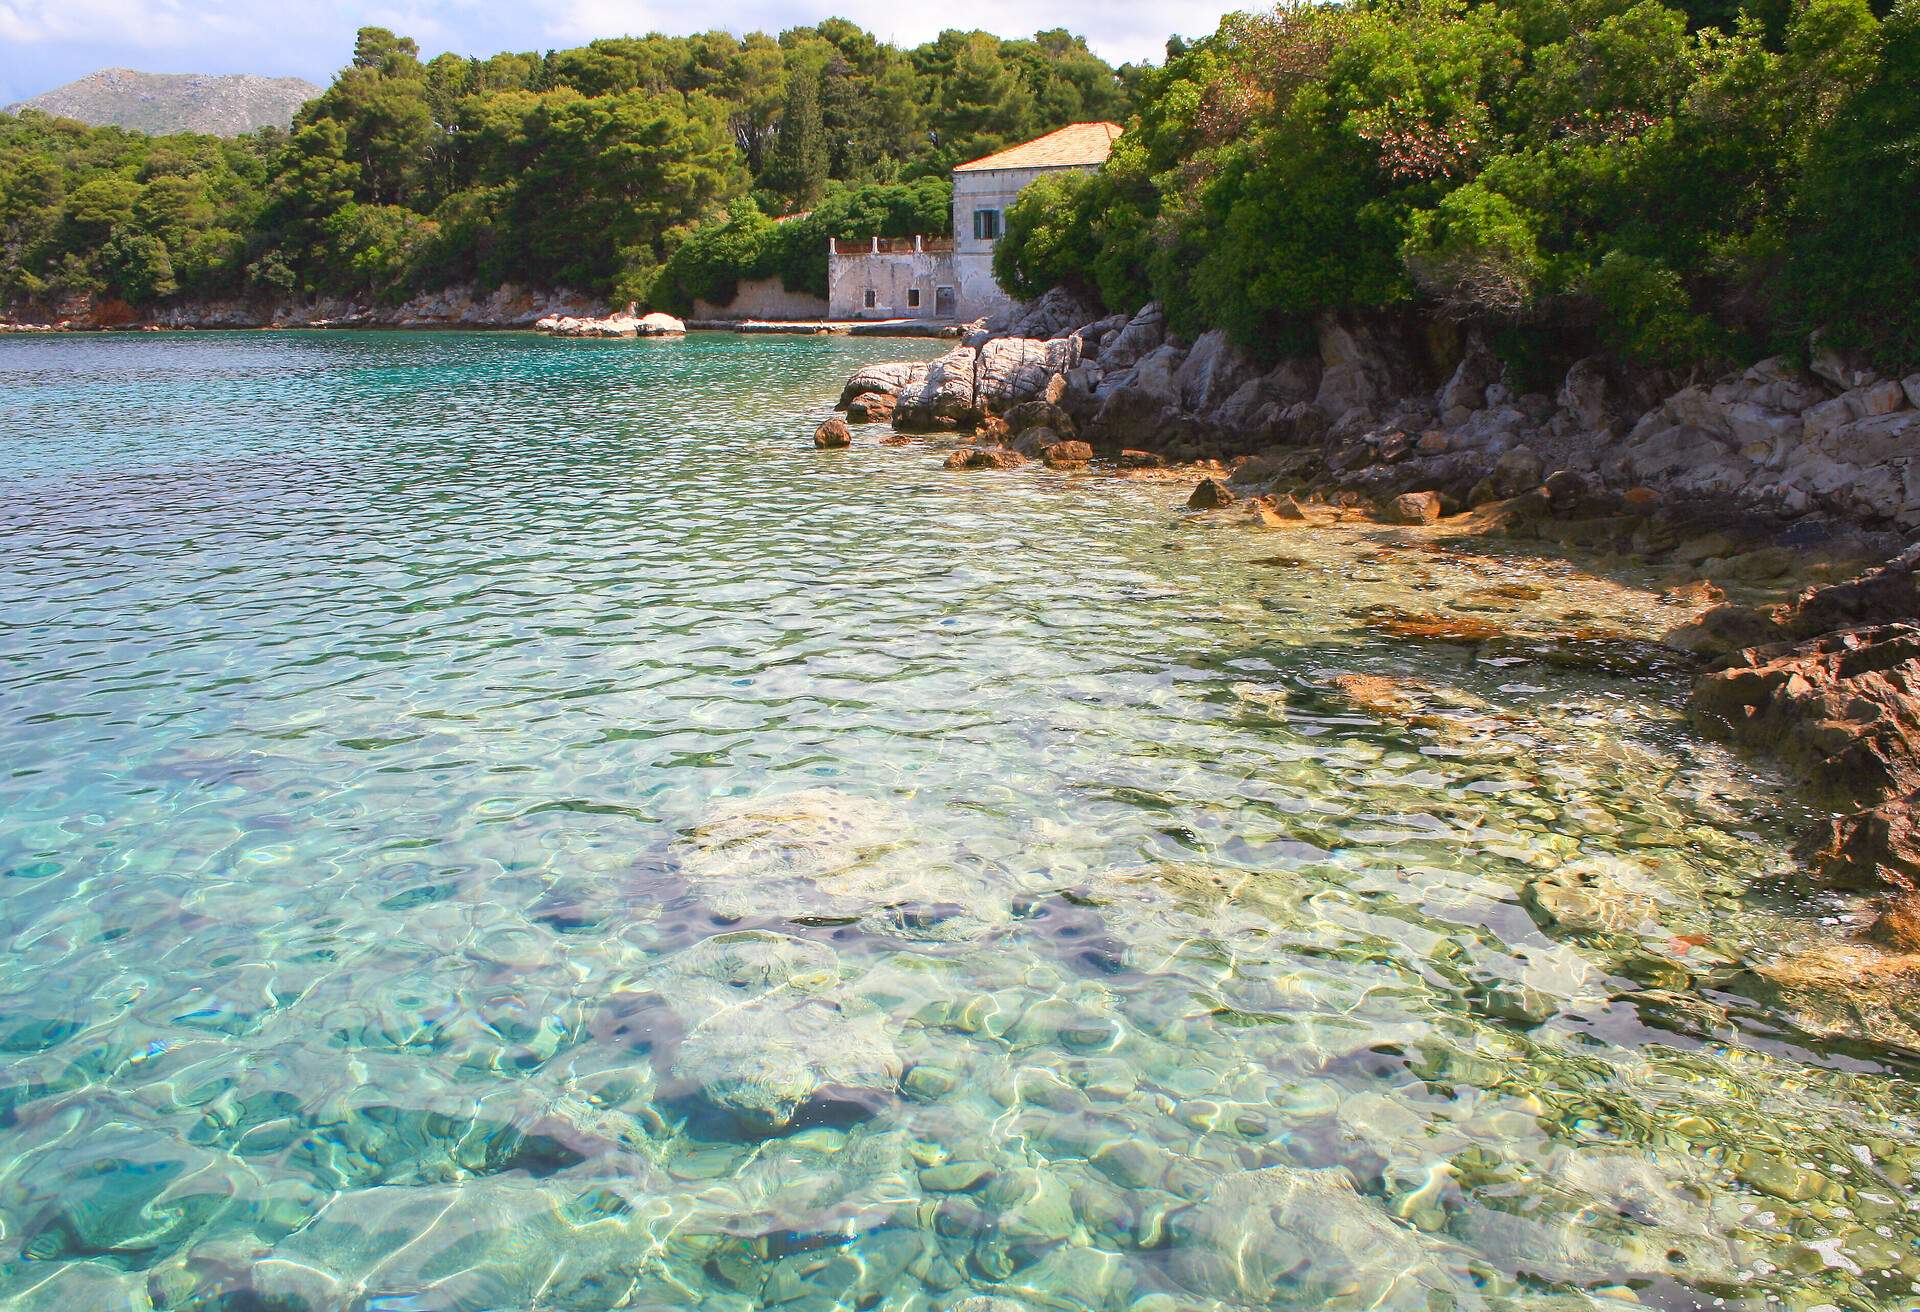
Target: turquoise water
[{"x": 492, "y": 823}]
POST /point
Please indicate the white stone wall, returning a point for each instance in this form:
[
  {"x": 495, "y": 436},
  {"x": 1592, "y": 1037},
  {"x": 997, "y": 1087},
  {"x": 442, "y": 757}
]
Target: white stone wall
[
  {"x": 763, "y": 298},
  {"x": 890, "y": 276},
  {"x": 984, "y": 189}
]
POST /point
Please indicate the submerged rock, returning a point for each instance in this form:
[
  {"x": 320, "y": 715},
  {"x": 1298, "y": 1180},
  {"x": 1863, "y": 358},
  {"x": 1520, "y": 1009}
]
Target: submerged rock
[
  {"x": 818, "y": 854},
  {"x": 1300, "y": 1238},
  {"x": 763, "y": 1060},
  {"x": 833, "y": 434},
  {"x": 761, "y": 1026}
]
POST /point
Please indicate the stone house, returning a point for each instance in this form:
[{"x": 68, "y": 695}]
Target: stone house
[{"x": 952, "y": 278}]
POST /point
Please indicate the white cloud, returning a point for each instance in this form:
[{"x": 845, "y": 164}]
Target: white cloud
[{"x": 44, "y": 43}]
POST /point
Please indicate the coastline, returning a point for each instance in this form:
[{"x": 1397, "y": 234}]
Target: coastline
[
  {"x": 507, "y": 309},
  {"x": 1802, "y": 637}
]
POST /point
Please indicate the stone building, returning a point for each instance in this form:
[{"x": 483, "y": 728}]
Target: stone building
[{"x": 942, "y": 278}]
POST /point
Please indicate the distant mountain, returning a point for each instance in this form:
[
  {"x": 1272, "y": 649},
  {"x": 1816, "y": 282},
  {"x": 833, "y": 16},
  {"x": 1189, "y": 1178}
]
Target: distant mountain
[{"x": 176, "y": 102}]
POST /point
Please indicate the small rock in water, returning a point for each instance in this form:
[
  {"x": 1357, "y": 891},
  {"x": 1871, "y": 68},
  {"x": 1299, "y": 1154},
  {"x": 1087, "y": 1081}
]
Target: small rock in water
[
  {"x": 1211, "y": 494},
  {"x": 982, "y": 457},
  {"x": 833, "y": 434},
  {"x": 871, "y": 408},
  {"x": 1067, "y": 455},
  {"x": 1415, "y": 508}
]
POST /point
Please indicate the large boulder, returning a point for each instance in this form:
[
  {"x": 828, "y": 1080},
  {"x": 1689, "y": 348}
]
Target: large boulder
[
  {"x": 1144, "y": 332},
  {"x": 1210, "y": 494},
  {"x": 1067, "y": 455},
  {"x": 764, "y": 1059},
  {"x": 1590, "y": 397},
  {"x": 659, "y": 324},
  {"x": 1054, "y": 314},
  {"x": 872, "y": 408},
  {"x": 985, "y": 457},
  {"x": 1214, "y": 370},
  {"x": 1013, "y": 370},
  {"x": 1466, "y": 389},
  {"x": 1143, "y": 405},
  {"x": 944, "y": 398},
  {"x": 889, "y": 379},
  {"x": 1360, "y": 369}
]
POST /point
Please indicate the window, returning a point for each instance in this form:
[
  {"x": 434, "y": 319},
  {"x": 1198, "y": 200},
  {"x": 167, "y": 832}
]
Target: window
[
  {"x": 986, "y": 225},
  {"x": 872, "y": 298},
  {"x": 913, "y": 298}
]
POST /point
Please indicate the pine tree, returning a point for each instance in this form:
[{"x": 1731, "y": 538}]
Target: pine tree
[{"x": 797, "y": 171}]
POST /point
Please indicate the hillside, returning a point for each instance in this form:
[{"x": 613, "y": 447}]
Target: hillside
[{"x": 223, "y": 106}]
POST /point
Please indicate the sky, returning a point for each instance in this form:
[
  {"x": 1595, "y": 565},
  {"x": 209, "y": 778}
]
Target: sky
[{"x": 44, "y": 43}]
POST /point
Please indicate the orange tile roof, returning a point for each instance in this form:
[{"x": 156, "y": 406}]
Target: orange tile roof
[{"x": 1077, "y": 144}]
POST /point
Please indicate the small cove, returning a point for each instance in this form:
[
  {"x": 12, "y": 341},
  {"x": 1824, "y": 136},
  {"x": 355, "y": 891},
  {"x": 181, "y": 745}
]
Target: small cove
[{"x": 496, "y": 823}]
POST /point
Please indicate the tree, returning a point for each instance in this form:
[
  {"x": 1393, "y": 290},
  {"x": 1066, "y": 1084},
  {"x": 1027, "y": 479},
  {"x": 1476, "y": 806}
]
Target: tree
[{"x": 797, "y": 170}]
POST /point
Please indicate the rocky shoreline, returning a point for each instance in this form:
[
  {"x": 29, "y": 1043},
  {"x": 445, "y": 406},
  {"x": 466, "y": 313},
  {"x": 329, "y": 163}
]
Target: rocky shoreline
[
  {"x": 1785, "y": 479},
  {"x": 456, "y": 307}
]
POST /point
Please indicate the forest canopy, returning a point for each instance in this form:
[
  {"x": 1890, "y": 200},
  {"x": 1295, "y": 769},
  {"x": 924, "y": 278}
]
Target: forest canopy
[
  {"x": 587, "y": 168},
  {"x": 1688, "y": 183}
]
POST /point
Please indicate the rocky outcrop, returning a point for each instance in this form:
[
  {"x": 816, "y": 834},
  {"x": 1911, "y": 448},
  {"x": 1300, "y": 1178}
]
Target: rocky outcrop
[
  {"x": 1011, "y": 370},
  {"x": 889, "y": 380},
  {"x": 1783, "y": 437},
  {"x": 508, "y": 306},
  {"x": 627, "y": 324},
  {"x": 943, "y": 397},
  {"x": 1832, "y": 689}
]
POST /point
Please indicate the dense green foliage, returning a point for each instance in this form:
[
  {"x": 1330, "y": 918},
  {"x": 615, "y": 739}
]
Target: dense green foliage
[
  {"x": 713, "y": 259},
  {"x": 589, "y": 168},
  {"x": 1683, "y": 184}
]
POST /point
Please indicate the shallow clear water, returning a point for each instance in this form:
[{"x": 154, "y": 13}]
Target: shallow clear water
[{"x": 492, "y": 823}]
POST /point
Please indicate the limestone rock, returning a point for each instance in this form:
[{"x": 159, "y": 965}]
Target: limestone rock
[
  {"x": 985, "y": 457},
  {"x": 833, "y": 434},
  {"x": 1067, "y": 455},
  {"x": 887, "y": 379},
  {"x": 658, "y": 324},
  {"x": 1145, "y": 332},
  {"x": 1415, "y": 508},
  {"x": 944, "y": 398},
  {"x": 764, "y": 1059},
  {"x": 1010, "y": 370},
  {"x": 1843, "y": 709},
  {"x": 1053, "y": 314},
  {"x": 1519, "y": 470},
  {"x": 1256, "y": 412},
  {"x": 1846, "y": 370},
  {"x": 871, "y": 408},
  {"x": 1213, "y": 371},
  {"x": 1039, "y": 413},
  {"x": 1465, "y": 390},
  {"x": 1211, "y": 494},
  {"x": 814, "y": 853},
  {"x": 1144, "y": 404}
]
